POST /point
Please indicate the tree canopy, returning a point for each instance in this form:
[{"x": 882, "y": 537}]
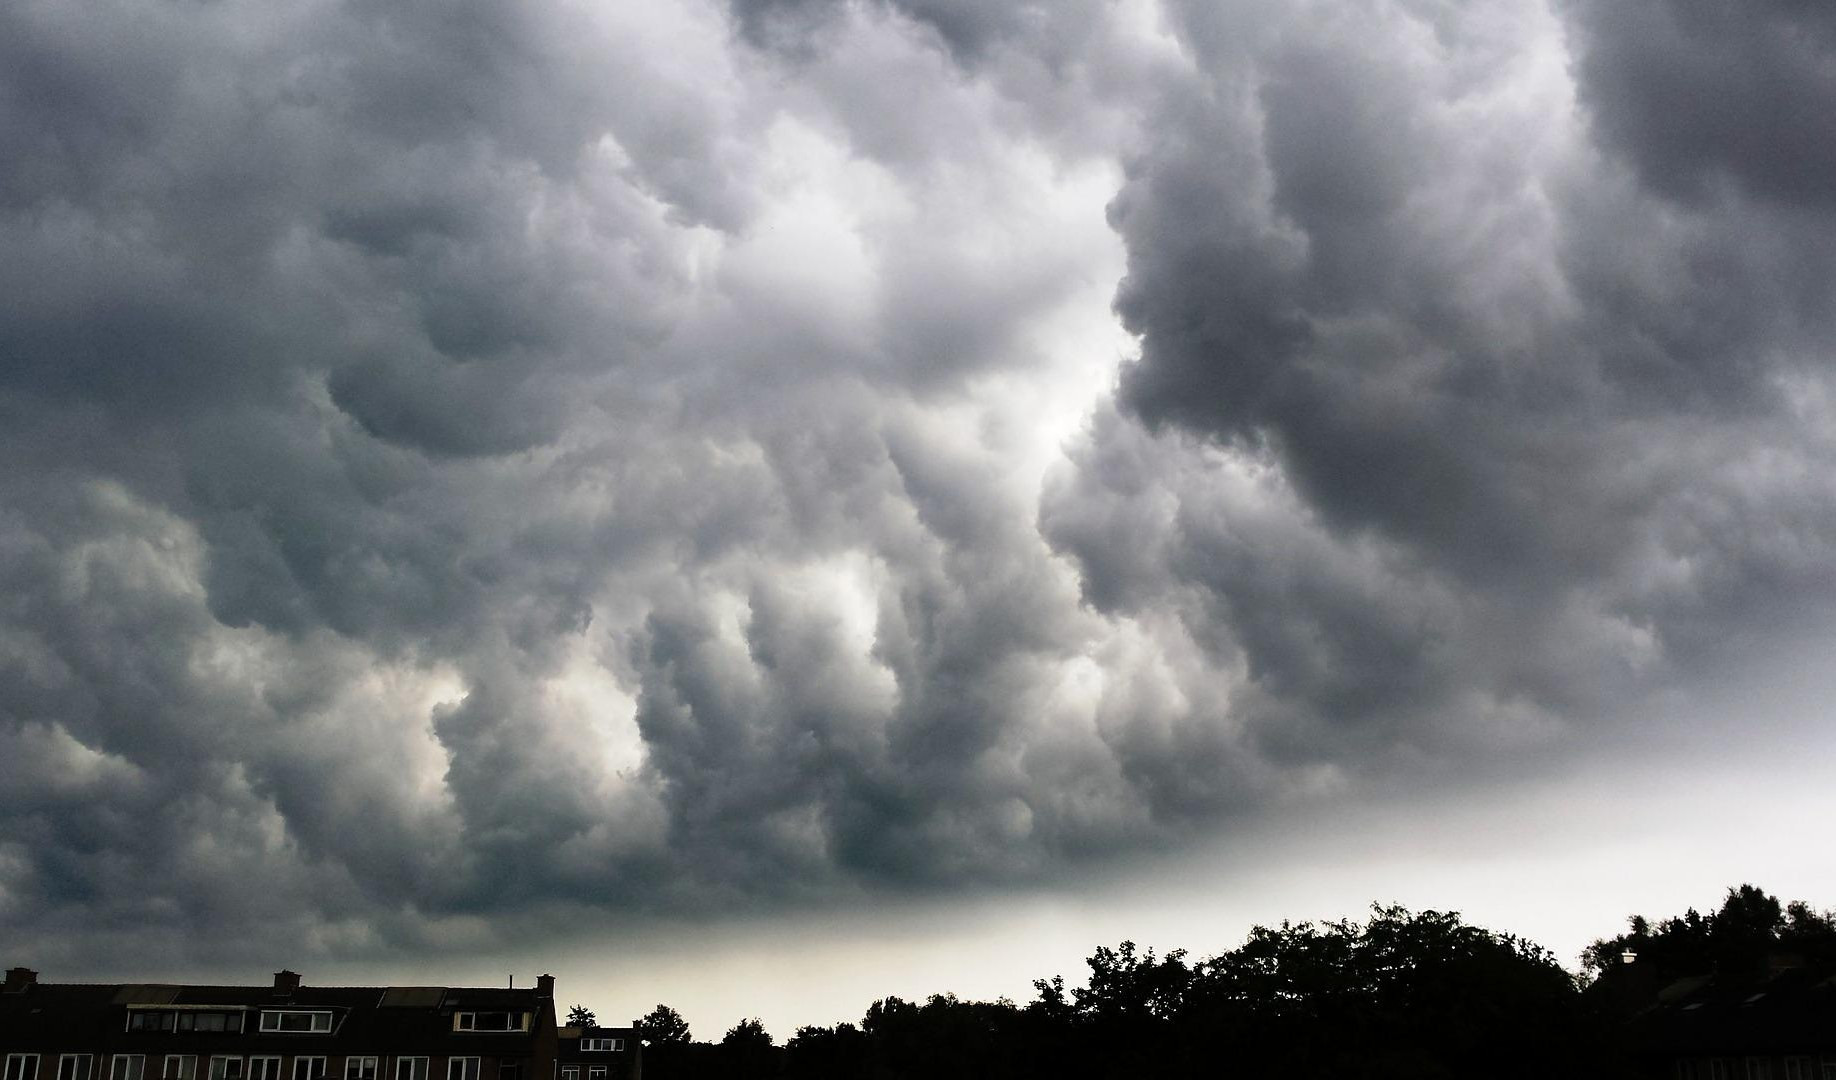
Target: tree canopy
[
  {"x": 1750, "y": 929},
  {"x": 662, "y": 1025},
  {"x": 1398, "y": 994}
]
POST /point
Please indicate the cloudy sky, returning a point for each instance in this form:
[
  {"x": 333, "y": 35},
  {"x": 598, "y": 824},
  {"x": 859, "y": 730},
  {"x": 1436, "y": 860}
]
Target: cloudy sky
[{"x": 884, "y": 496}]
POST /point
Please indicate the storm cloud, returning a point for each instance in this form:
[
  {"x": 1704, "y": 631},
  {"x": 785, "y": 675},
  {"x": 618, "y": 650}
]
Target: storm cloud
[{"x": 568, "y": 461}]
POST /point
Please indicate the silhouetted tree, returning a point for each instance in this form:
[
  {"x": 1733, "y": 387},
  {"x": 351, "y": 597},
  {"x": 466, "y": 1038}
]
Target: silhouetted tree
[
  {"x": 1750, "y": 927},
  {"x": 1400, "y": 994},
  {"x": 1129, "y": 987},
  {"x": 581, "y": 1016},
  {"x": 748, "y": 1032},
  {"x": 820, "y": 1053},
  {"x": 746, "y": 1050},
  {"x": 1403, "y": 994},
  {"x": 662, "y": 1025}
]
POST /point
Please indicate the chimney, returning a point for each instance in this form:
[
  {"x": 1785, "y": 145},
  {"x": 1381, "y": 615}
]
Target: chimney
[
  {"x": 545, "y": 986},
  {"x": 286, "y": 982},
  {"x": 17, "y": 979}
]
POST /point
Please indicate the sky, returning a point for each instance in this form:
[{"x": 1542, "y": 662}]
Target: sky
[{"x": 762, "y": 504}]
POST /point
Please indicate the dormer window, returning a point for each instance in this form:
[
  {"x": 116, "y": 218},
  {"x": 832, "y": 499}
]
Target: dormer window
[
  {"x": 602, "y": 1044},
  {"x": 149, "y": 1020},
  {"x": 490, "y": 1021},
  {"x": 302, "y": 1021},
  {"x": 226, "y": 1021},
  {"x": 230, "y": 1022}
]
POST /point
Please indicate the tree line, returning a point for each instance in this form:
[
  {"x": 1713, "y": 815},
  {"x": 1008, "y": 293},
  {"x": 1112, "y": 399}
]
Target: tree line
[{"x": 1398, "y": 994}]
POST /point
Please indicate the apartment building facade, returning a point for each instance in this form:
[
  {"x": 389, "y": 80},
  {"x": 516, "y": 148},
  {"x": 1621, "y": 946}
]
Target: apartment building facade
[
  {"x": 287, "y": 1031},
  {"x": 599, "y": 1053}
]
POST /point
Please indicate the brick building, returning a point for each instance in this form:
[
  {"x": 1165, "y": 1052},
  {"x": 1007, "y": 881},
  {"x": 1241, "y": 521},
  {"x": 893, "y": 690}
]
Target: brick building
[
  {"x": 1772, "y": 1023},
  {"x": 287, "y": 1031},
  {"x": 597, "y": 1053}
]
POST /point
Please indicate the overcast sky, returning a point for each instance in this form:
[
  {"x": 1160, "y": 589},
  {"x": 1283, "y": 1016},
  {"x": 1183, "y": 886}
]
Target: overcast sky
[{"x": 763, "y": 504}]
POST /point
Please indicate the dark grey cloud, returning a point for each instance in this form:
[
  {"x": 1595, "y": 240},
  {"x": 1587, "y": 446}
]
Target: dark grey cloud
[
  {"x": 474, "y": 461},
  {"x": 968, "y": 30},
  {"x": 1535, "y": 398},
  {"x": 1701, "y": 95},
  {"x": 558, "y": 462}
]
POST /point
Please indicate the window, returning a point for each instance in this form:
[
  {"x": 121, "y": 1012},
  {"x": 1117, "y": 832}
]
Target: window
[
  {"x": 305, "y": 1021},
  {"x": 308, "y": 1068},
  {"x": 410, "y": 1068},
  {"x": 22, "y": 1067},
  {"x": 461, "y": 1068},
  {"x": 1799, "y": 1068},
  {"x": 570, "y": 1072},
  {"x": 225, "y": 1068},
  {"x": 359, "y": 1068},
  {"x": 75, "y": 1066},
  {"x": 128, "y": 1067},
  {"x": 1759, "y": 1068},
  {"x": 150, "y": 1020},
  {"x": 488, "y": 1021},
  {"x": 180, "y": 1067},
  {"x": 602, "y": 1044},
  {"x": 230, "y": 1022},
  {"x": 264, "y": 1068},
  {"x": 596, "y": 1072}
]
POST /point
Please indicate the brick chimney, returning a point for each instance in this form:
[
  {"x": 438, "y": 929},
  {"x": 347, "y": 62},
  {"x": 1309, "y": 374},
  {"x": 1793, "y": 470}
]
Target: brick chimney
[
  {"x": 17, "y": 979},
  {"x": 286, "y": 982},
  {"x": 545, "y": 986}
]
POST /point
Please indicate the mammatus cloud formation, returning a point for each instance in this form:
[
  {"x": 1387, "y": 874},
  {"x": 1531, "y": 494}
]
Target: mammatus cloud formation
[{"x": 469, "y": 460}]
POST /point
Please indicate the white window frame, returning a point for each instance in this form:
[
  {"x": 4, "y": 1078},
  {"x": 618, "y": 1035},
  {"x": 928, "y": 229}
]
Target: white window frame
[
  {"x": 302, "y": 1067},
  {"x": 86, "y": 1069},
  {"x": 367, "y": 1066},
  {"x": 215, "y": 1073},
  {"x": 462, "y": 1068},
  {"x": 598, "y": 1072},
  {"x": 232, "y": 1021},
  {"x": 160, "y": 1014},
  {"x": 16, "y": 1067},
  {"x": 187, "y": 1067},
  {"x": 136, "y": 1067},
  {"x": 570, "y": 1072},
  {"x": 468, "y": 1021},
  {"x": 319, "y": 1022},
  {"x": 263, "y": 1067},
  {"x": 417, "y": 1068}
]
